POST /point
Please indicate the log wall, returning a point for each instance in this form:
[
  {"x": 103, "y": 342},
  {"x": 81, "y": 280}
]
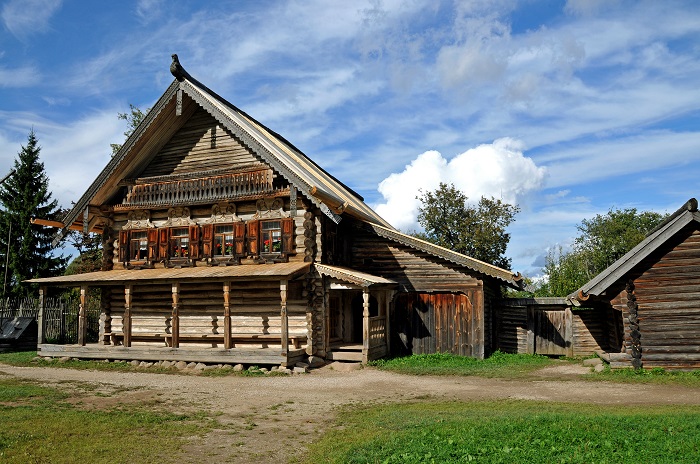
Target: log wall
[{"x": 667, "y": 290}]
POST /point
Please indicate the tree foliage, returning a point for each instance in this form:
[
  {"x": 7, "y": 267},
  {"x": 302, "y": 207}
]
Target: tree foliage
[
  {"x": 26, "y": 195},
  {"x": 478, "y": 231},
  {"x": 133, "y": 118},
  {"x": 602, "y": 240}
]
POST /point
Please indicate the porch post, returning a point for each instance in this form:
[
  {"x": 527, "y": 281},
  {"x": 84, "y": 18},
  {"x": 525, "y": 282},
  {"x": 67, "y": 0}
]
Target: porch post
[
  {"x": 126, "y": 321},
  {"x": 40, "y": 317},
  {"x": 389, "y": 295},
  {"x": 227, "y": 315},
  {"x": 82, "y": 320},
  {"x": 365, "y": 324},
  {"x": 175, "y": 318},
  {"x": 284, "y": 319}
]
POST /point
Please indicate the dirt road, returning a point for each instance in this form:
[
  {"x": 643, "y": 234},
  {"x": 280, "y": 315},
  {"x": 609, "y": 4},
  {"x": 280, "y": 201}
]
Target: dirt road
[{"x": 270, "y": 419}]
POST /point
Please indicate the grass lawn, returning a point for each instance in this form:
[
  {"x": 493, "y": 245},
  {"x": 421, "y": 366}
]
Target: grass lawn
[
  {"x": 499, "y": 364},
  {"x": 38, "y": 424},
  {"x": 510, "y": 432}
]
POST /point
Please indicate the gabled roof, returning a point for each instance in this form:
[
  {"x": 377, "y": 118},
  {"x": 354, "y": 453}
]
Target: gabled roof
[
  {"x": 452, "y": 256},
  {"x": 685, "y": 215},
  {"x": 324, "y": 190}
]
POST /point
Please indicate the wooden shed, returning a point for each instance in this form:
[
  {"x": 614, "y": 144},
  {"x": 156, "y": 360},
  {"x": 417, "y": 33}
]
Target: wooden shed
[
  {"x": 224, "y": 243},
  {"x": 651, "y": 297}
]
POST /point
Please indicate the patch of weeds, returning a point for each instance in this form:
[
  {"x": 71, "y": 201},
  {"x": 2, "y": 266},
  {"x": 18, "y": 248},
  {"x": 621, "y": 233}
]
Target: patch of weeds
[{"x": 656, "y": 375}]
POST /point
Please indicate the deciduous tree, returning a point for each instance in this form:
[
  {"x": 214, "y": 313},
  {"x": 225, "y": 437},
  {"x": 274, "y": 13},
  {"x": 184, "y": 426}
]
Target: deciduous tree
[{"x": 478, "y": 231}]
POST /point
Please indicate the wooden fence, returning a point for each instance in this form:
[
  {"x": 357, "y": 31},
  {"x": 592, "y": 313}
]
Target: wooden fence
[{"x": 60, "y": 317}]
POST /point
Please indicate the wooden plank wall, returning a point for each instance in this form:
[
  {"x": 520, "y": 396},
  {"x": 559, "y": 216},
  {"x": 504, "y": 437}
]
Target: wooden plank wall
[
  {"x": 438, "y": 323},
  {"x": 414, "y": 270},
  {"x": 202, "y": 144},
  {"x": 590, "y": 331}
]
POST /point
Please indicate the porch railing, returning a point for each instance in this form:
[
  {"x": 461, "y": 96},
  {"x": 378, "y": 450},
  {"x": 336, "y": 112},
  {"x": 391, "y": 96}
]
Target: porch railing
[
  {"x": 377, "y": 331},
  {"x": 207, "y": 189}
]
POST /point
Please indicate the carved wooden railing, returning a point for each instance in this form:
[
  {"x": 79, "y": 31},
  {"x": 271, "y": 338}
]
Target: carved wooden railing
[
  {"x": 377, "y": 331},
  {"x": 201, "y": 190}
]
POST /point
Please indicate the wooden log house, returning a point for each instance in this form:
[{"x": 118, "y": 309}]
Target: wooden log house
[
  {"x": 649, "y": 298},
  {"x": 224, "y": 243}
]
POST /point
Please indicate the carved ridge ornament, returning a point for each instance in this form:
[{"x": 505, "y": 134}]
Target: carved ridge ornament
[
  {"x": 270, "y": 208},
  {"x": 222, "y": 213},
  {"x": 179, "y": 216},
  {"x": 140, "y": 219}
]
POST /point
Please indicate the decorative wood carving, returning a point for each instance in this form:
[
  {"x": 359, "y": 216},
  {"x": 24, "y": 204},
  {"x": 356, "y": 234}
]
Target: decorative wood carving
[
  {"x": 140, "y": 219},
  {"x": 270, "y": 208},
  {"x": 179, "y": 216},
  {"x": 223, "y": 213}
]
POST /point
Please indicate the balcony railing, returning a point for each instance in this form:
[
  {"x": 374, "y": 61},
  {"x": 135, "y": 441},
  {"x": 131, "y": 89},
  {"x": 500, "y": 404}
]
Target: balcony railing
[{"x": 202, "y": 190}]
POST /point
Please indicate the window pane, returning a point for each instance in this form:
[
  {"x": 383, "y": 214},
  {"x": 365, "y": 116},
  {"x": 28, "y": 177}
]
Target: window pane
[{"x": 224, "y": 229}]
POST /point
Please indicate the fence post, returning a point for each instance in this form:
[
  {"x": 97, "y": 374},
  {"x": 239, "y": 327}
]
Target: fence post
[
  {"x": 82, "y": 319},
  {"x": 40, "y": 316}
]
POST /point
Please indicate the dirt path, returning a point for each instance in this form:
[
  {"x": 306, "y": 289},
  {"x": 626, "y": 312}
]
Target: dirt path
[{"x": 270, "y": 419}]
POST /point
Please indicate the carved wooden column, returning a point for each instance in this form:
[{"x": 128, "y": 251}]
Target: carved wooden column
[
  {"x": 227, "y": 315},
  {"x": 82, "y": 319},
  {"x": 284, "y": 319},
  {"x": 40, "y": 319},
  {"x": 126, "y": 321},
  {"x": 365, "y": 324},
  {"x": 175, "y": 318}
]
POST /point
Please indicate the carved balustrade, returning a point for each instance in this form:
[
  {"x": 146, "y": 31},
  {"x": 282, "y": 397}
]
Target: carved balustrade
[{"x": 201, "y": 190}]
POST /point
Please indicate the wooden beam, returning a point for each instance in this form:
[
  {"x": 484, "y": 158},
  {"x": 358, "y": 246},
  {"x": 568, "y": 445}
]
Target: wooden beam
[
  {"x": 77, "y": 225},
  {"x": 175, "y": 319},
  {"x": 82, "y": 319},
  {"x": 41, "y": 339},
  {"x": 126, "y": 322},
  {"x": 227, "y": 315},
  {"x": 365, "y": 324},
  {"x": 284, "y": 318}
]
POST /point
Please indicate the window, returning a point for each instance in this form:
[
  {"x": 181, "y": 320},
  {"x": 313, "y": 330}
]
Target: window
[
  {"x": 224, "y": 240},
  {"x": 179, "y": 242},
  {"x": 139, "y": 245},
  {"x": 271, "y": 237}
]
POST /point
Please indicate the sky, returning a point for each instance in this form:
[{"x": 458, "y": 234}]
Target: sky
[{"x": 565, "y": 108}]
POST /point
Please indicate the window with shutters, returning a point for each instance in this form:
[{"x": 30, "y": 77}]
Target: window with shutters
[
  {"x": 138, "y": 245},
  {"x": 271, "y": 237},
  {"x": 179, "y": 242},
  {"x": 224, "y": 243}
]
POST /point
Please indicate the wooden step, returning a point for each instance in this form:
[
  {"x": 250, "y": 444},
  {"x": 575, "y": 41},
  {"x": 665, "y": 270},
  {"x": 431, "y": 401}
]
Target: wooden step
[{"x": 344, "y": 356}]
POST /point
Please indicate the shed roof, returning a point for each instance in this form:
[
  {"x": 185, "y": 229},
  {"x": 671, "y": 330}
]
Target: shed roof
[
  {"x": 685, "y": 215},
  {"x": 186, "y": 274},
  {"x": 352, "y": 276}
]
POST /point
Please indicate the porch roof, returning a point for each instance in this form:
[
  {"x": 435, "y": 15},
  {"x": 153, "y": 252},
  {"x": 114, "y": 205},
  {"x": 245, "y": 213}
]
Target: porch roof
[
  {"x": 187, "y": 274},
  {"x": 352, "y": 276}
]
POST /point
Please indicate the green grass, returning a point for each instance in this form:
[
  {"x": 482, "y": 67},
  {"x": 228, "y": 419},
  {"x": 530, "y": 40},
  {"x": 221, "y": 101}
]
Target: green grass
[
  {"x": 37, "y": 424},
  {"x": 497, "y": 365},
  {"x": 511, "y": 431},
  {"x": 649, "y": 376}
]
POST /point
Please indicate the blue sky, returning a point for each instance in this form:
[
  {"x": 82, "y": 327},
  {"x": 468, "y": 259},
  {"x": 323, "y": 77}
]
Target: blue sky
[{"x": 567, "y": 108}]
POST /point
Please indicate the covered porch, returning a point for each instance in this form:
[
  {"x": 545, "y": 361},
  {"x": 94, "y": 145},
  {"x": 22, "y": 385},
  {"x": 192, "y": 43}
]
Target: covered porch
[
  {"x": 248, "y": 314},
  {"x": 357, "y": 323}
]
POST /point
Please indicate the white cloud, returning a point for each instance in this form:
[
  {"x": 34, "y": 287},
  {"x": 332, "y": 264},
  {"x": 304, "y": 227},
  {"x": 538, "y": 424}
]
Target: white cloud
[
  {"x": 493, "y": 170},
  {"x": 25, "y": 17},
  {"x": 26, "y": 76}
]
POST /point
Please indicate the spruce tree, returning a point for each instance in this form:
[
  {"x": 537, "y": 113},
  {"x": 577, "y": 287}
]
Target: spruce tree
[{"x": 26, "y": 248}]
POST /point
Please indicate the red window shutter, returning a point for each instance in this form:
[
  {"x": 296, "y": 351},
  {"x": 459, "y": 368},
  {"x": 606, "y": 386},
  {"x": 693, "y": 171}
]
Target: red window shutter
[
  {"x": 124, "y": 236},
  {"x": 207, "y": 239},
  {"x": 152, "y": 244},
  {"x": 288, "y": 245},
  {"x": 163, "y": 243},
  {"x": 194, "y": 242},
  {"x": 253, "y": 236},
  {"x": 239, "y": 238}
]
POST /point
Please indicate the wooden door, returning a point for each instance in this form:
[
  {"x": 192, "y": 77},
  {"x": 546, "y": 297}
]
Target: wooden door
[{"x": 551, "y": 331}]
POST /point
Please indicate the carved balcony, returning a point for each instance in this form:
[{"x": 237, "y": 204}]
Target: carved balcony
[{"x": 200, "y": 190}]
